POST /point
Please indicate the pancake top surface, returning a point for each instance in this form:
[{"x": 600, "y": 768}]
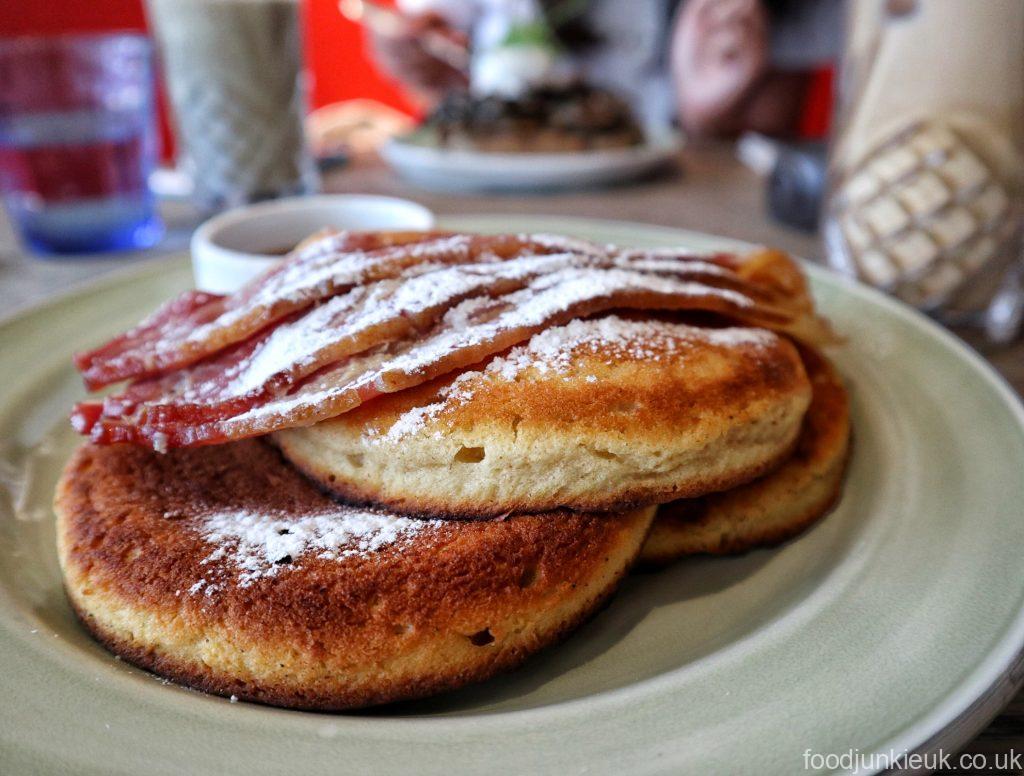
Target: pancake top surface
[{"x": 643, "y": 377}]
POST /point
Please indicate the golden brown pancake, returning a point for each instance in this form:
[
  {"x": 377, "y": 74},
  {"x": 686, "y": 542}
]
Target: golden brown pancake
[
  {"x": 775, "y": 507},
  {"x": 601, "y": 414},
  {"x": 225, "y": 570}
]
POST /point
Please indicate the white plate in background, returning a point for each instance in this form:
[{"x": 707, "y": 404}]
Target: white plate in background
[{"x": 461, "y": 170}]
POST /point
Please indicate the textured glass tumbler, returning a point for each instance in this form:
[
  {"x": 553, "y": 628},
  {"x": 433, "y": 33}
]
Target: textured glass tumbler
[
  {"x": 234, "y": 73},
  {"x": 77, "y": 141},
  {"x": 927, "y": 165}
]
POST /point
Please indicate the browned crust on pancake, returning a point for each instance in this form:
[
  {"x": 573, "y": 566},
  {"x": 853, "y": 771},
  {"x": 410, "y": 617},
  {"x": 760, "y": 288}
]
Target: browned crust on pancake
[
  {"x": 336, "y": 697},
  {"x": 776, "y": 507},
  {"x": 654, "y": 556},
  {"x": 322, "y": 634},
  {"x": 690, "y": 399}
]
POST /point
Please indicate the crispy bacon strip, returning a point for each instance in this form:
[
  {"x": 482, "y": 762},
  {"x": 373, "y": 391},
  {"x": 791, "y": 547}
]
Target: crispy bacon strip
[
  {"x": 318, "y": 272},
  {"x": 151, "y": 346},
  {"x": 324, "y": 332},
  {"x": 271, "y": 363},
  {"x": 170, "y": 323},
  {"x": 469, "y": 332}
]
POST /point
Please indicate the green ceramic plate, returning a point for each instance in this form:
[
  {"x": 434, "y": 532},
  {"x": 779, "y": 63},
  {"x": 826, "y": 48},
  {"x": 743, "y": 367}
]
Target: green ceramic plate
[{"x": 895, "y": 623}]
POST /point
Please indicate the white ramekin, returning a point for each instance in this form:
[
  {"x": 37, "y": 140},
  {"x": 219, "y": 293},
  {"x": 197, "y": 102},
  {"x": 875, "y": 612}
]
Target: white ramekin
[{"x": 240, "y": 244}]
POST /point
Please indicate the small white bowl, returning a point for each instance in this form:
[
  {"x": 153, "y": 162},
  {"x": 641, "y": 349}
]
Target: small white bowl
[{"x": 236, "y": 246}]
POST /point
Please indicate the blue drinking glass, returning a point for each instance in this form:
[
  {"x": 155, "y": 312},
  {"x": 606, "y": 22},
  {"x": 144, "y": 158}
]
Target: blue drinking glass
[{"x": 78, "y": 141}]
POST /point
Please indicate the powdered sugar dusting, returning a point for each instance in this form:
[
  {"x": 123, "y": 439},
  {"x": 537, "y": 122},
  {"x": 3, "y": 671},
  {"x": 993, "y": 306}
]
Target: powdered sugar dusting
[
  {"x": 555, "y": 350},
  {"x": 472, "y": 327},
  {"x": 458, "y": 392},
  {"x": 329, "y": 330},
  {"x": 261, "y": 544},
  {"x": 545, "y": 297},
  {"x": 299, "y": 346}
]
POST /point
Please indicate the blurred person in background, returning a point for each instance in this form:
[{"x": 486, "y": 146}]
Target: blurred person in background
[{"x": 719, "y": 67}]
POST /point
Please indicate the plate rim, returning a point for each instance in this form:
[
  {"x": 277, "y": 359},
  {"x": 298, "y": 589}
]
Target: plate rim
[
  {"x": 466, "y": 170},
  {"x": 661, "y": 142},
  {"x": 142, "y": 267}
]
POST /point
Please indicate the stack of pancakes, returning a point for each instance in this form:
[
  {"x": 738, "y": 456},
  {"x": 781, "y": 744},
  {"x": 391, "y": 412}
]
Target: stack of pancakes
[{"x": 462, "y": 514}]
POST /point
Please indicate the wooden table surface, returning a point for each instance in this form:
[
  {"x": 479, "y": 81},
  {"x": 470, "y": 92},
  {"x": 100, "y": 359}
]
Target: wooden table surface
[{"x": 709, "y": 192}]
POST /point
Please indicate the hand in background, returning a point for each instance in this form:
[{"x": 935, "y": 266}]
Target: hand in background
[
  {"x": 719, "y": 55},
  {"x": 404, "y": 55}
]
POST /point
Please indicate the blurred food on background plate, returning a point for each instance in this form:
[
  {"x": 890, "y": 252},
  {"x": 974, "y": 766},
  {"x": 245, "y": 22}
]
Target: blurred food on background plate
[
  {"x": 516, "y": 87},
  {"x": 574, "y": 117},
  {"x": 713, "y": 67}
]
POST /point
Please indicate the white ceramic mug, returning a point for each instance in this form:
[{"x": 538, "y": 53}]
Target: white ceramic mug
[{"x": 238, "y": 245}]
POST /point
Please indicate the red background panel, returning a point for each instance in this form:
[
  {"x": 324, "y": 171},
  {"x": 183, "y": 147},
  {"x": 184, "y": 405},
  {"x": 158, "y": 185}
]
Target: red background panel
[
  {"x": 52, "y": 16},
  {"x": 338, "y": 59},
  {"x": 335, "y": 49}
]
